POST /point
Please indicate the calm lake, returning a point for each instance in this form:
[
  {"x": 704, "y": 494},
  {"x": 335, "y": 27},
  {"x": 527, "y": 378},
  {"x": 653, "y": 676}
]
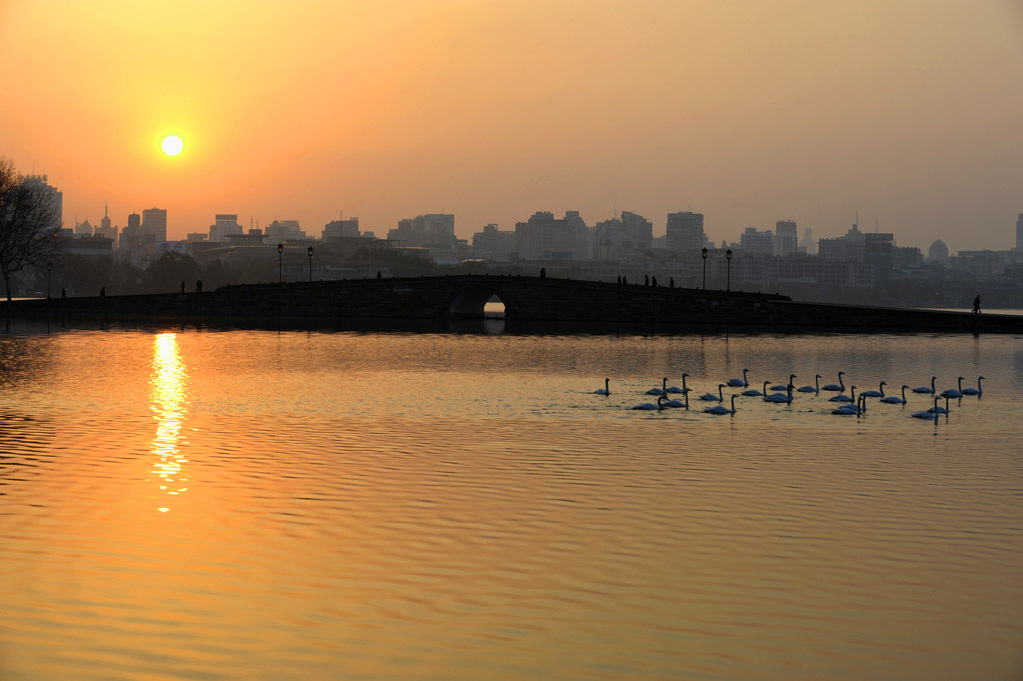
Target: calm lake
[{"x": 246, "y": 504}]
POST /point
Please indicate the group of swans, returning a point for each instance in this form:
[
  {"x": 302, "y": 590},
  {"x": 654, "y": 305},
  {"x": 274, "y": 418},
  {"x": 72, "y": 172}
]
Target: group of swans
[{"x": 852, "y": 404}]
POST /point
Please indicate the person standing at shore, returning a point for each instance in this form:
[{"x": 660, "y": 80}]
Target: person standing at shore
[{"x": 976, "y": 304}]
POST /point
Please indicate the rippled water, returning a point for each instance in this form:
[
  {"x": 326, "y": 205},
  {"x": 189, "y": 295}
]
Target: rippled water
[{"x": 202, "y": 504}]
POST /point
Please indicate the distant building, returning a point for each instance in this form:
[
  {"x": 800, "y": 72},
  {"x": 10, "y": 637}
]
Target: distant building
[
  {"x": 335, "y": 229},
  {"x": 544, "y": 237},
  {"x": 89, "y": 245},
  {"x": 807, "y": 244},
  {"x": 684, "y": 233},
  {"x": 196, "y": 237},
  {"x": 105, "y": 228},
  {"x": 56, "y": 196},
  {"x": 284, "y": 230},
  {"x": 938, "y": 252},
  {"x": 755, "y": 242},
  {"x": 630, "y": 234},
  {"x": 435, "y": 231},
  {"x": 878, "y": 251},
  {"x": 83, "y": 228},
  {"x": 154, "y": 225},
  {"x": 225, "y": 224},
  {"x": 786, "y": 237},
  {"x": 493, "y": 243}
]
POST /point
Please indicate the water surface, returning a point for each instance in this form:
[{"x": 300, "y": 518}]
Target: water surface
[{"x": 202, "y": 504}]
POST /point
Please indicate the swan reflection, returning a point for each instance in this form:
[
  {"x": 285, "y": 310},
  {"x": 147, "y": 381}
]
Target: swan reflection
[{"x": 168, "y": 385}]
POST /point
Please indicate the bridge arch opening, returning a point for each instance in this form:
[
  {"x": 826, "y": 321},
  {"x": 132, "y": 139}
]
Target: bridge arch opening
[{"x": 474, "y": 302}]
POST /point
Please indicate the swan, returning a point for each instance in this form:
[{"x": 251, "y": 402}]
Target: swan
[
  {"x": 953, "y": 392},
  {"x": 852, "y": 409},
  {"x": 784, "y": 387},
  {"x": 683, "y": 389},
  {"x": 663, "y": 390},
  {"x": 925, "y": 389},
  {"x": 679, "y": 404},
  {"x": 739, "y": 382},
  {"x": 711, "y": 397},
  {"x": 721, "y": 409},
  {"x": 779, "y": 398},
  {"x": 840, "y": 386},
  {"x": 927, "y": 415},
  {"x": 874, "y": 393},
  {"x": 975, "y": 391},
  {"x": 851, "y": 397},
  {"x": 815, "y": 388},
  {"x": 606, "y": 390},
  {"x": 753, "y": 392},
  {"x": 646, "y": 406},
  {"x": 892, "y": 399},
  {"x": 940, "y": 410}
]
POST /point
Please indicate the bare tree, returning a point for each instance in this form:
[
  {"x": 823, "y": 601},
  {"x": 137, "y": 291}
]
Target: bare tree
[{"x": 30, "y": 223}]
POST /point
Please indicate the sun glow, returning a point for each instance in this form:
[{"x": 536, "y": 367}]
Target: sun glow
[{"x": 172, "y": 145}]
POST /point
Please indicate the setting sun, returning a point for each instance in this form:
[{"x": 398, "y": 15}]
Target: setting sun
[{"x": 172, "y": 145}]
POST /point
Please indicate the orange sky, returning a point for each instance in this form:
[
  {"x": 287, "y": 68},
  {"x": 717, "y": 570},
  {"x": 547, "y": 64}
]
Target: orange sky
[{"x": 748, "y": 111}]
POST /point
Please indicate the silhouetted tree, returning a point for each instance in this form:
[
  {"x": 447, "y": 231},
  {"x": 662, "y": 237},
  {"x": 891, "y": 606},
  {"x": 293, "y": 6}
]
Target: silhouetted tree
[
  {"x": 29, "y": 223},
  {"x": 166, "y": 273}
]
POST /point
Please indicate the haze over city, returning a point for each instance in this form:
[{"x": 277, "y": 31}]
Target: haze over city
[{"x": 747, "y": 112}]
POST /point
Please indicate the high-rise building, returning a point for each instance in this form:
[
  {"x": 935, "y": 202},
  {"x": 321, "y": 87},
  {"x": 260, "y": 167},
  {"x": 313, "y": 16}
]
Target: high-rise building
[
  {"x": 225, "y": 224},
  {"x": 938, "y": 252},
  {"x": 154, "y": 225},
  {"x": 786, "y": 237},
  {"x": 544, "y": 237},
  {"x": 1019, "y": 231},
  {"x": 755, "y": 242},
  {"x": 56, "y": 196},
  {"x": 435, "y": 231},
  {"x": 807, "y": 244},
  {"x": 684, "y": 233},
  {"x": 493, "y": 243}
]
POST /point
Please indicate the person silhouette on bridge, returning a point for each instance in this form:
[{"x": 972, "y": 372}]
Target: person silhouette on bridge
[
  {"x": 619, "y": 278},
  {"x": 182, "y": 285},
  {"x": 102, "y": 291},
  {"x": 653, "y": 281},
  {"x": 625, "y": 280},
  {"x": 976, "y": 304},
  {"x": 543, "y": 272},
  {"x": 671, "y": 282},
  {"x": 646, "y": 280},
  {"x": 379, "y": 275}
]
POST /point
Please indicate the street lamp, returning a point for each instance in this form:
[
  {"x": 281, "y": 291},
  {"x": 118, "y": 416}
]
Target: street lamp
[
  {"x": 704, "y": 268},
  {"x": 728, "y": 281},
  {"x": 310, "y": 251},
  {"x": 280, "y": 262},
  {"x": 49, "y": 269}
]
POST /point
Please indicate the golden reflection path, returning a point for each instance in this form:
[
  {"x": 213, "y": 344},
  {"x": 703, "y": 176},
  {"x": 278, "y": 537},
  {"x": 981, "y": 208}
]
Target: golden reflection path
[{"x": 168, "y": 401}]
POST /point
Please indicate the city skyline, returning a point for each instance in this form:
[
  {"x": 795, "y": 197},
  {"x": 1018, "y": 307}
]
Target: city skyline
[{"x": 748, "y": 114}]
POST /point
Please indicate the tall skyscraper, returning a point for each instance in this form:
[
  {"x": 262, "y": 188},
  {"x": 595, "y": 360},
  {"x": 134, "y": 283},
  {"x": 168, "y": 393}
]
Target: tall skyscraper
[
  {"x": 226, "y": 223},
  {"x": 786, "y": 237},
  {"x": 684, "y": 233},
  {"x": 154, "y": 225},
  {"x": 56, "y": 196}
]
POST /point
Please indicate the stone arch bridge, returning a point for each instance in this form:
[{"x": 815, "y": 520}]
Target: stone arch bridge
[{"x": 526, "y": 299}]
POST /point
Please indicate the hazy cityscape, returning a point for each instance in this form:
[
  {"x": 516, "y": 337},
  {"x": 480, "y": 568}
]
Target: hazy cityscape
[{"x": 860, "y": 264}]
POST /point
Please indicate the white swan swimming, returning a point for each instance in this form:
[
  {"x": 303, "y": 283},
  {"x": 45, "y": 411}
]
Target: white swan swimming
[
  {"x": 892, "y": 399},
  {"x": 851, "y": 397},
  {"x": 874, "y": 393},
  {"x": 711, "y": 397},
  {"x": 663, "y": 390},
  {"x": 781, "y": 387},
  {"x": 840, "y": 386},
  {"x": 662, "y": 402},
  {"x": 753, "y": 392},
  {"x": 927, "y": 415},
  {"x": 815, "y": 388},
  {"x": 925, "y": 389},
  {"x": 683, "y": 389},
  {"x": 739, "y": 382},
  {"x": 721, "y": 409},
  {"x": 975, "y": 391},
  {"x": 954, "y": 392},
  {"x": 779, "y": 398},
  {"x": 606, "y": 390}
]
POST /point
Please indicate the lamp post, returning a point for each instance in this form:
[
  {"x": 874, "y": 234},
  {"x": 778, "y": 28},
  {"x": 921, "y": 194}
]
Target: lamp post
[
  {"x": 49, "y": 269},
  {"x": 728, "y": 281},
  {"x": 280, "y": 263},
  {"x": 704, "y": 268},
  {"x": 310, "y": 251}
]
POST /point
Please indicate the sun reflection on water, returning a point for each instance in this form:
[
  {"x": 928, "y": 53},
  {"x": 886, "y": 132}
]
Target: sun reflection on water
[{"x": 168, "y": 400}]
